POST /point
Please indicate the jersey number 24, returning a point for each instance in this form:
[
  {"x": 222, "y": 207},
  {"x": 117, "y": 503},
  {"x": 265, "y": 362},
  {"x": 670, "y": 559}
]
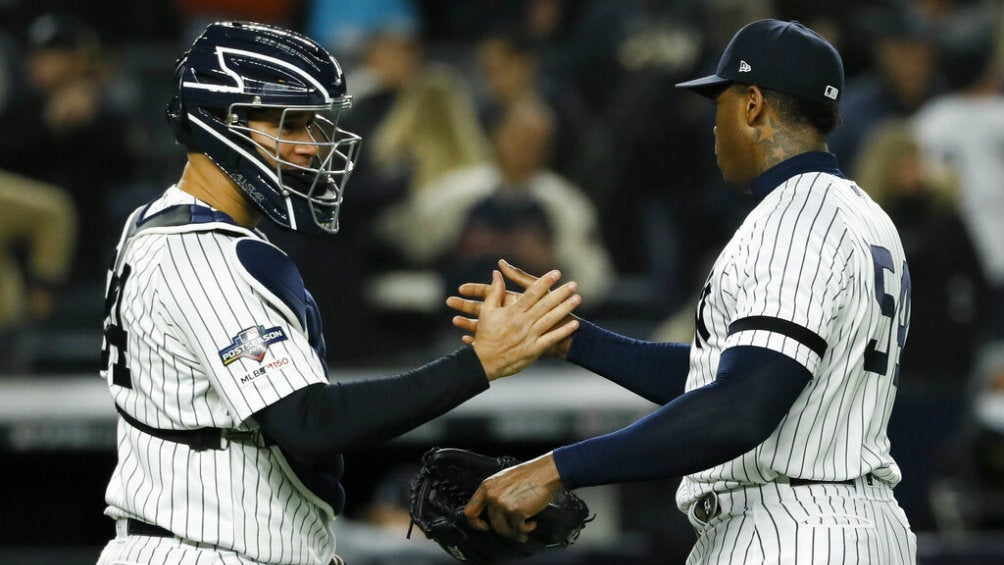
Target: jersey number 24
[{"x": 114, "y": 334}]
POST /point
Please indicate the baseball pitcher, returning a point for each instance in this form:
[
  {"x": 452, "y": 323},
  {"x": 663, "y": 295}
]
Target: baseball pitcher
[{"x": 776, "y": 413}]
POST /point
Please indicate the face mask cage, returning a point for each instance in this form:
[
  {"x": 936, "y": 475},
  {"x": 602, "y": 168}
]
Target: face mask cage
[{"x": 301, "y": 149}]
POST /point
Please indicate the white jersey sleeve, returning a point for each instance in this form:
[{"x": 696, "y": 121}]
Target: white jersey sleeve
[
  {"x": 789, "y": 272},
  {"x": 253, "y": 351}
]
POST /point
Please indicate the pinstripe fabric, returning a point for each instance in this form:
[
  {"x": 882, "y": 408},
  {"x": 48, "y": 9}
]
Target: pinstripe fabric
[
  {"x": 183, "y": 303},
  {"x": 816, "y": 272},
  {"x": 135, "y": 550},
  {"x": 807, "y": 525}
]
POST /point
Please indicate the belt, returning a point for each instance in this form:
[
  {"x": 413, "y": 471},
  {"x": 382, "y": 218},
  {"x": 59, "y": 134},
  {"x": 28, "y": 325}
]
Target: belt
[
  {"x": 797, "y": 482},
  {"x": 706, "y": 507},
  {"x": 138, "y": 528}
]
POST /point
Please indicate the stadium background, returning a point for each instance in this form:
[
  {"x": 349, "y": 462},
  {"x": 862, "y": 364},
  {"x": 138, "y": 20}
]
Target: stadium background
[{"x": 638, "y": 151}]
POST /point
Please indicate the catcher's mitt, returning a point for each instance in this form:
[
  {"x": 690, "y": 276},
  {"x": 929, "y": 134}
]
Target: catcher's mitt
[{"x": 445, "y": 483}]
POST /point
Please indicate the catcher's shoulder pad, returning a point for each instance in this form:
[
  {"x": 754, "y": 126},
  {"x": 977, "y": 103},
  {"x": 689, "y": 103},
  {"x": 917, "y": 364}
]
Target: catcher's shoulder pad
[{"x": 273, "y": 274}]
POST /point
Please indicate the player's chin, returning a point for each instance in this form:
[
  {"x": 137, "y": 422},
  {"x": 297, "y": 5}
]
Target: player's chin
[
  {"x": 734, "y": 182},
  {"x": 734, "y": 179}
]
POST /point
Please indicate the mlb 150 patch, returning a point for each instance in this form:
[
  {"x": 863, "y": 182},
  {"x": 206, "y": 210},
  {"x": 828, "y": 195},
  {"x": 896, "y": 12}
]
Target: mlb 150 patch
[{"x": 251, "y": 343}]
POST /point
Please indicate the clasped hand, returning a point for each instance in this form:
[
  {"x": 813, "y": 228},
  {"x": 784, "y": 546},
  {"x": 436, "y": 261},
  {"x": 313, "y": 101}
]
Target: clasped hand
[
  {"x": 507, "y": 500},
  {"x": 474, "y": 297},
  {"x": 513, "y": 330}
]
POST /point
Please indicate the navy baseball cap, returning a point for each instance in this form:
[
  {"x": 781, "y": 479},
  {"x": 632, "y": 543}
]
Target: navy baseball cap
[{"x": 783, "y": 56}]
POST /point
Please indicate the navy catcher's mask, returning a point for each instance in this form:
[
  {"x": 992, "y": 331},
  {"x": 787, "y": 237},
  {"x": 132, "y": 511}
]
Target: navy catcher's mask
[{"x": 236, "y": 71}]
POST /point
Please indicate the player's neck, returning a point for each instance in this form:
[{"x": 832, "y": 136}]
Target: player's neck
[
  {"x": 785, "y": 144},
  {"x": 205, "y": 181}
]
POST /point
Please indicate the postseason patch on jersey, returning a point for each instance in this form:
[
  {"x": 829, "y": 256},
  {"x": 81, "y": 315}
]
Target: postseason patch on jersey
[{"x": 251, "y": 343}]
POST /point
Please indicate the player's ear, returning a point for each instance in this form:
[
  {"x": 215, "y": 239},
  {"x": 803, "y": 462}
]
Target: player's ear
[{"x": 754, "y": 103}]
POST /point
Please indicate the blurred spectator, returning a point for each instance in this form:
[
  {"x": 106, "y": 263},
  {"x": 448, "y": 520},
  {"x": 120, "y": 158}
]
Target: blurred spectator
[
  {"x": 596, "y": 46},
  {"x": 382, "y": 534},
  {"x": 346, "y": 26},
  {"x": 197, "y": 14},
  {"x": 509, "y": 60},
  {"x": 937, "y": 10},
  {"x": 513, "y": 207},
  {"x": 68, "y": 134},
  {"x": 968, "y": 494},
  {"x": 901, "y": 78},
  {"x": 463, "y": 22},
  {"x": 963, "y": 131},
  {"x": 393, "y": 60},
  {"x": 949, "y": 294},
  {"x": 430, "y": 131},
  {"x": 545, "y": 19},
  {"x": 388, "y": 508},
  {"x": 37, "y": 231}
]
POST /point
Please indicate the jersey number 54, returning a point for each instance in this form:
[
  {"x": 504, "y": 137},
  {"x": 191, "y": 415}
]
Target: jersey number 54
[{"x": 895, "y": 313}]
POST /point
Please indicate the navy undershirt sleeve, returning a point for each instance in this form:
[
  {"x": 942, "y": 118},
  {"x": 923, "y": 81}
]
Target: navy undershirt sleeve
[
  {"x": 753, "y": 391},
  {"x": 322, "y": 419},
  {"x": 654, "y": 371}
]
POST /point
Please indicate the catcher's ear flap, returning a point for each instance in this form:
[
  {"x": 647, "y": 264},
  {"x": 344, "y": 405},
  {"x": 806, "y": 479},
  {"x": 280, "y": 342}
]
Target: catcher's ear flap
[{"x": 177, "y": 118}]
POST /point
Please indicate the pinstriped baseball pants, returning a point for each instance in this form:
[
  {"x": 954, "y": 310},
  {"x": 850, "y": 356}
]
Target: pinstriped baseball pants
[
  {"x": 820, "y": 524},
  {"x": 146, "y": 550}
]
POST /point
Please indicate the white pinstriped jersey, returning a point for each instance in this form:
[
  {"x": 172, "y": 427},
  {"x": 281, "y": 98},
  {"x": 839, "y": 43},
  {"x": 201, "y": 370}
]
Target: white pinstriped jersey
[
  {"x": 187, "y": 312},
  {"x": 816, "y": 272}
]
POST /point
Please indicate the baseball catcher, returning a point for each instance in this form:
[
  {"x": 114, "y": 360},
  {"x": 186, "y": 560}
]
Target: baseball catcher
[{"x": 445, "y": 483}]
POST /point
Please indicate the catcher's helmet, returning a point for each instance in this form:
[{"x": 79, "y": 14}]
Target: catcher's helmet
[{"x": 238, "y": 69}]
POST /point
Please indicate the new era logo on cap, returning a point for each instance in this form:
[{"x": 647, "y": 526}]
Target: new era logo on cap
[
  {"x": 744, "y": 67},
  {"x": 831, "y": 92}
]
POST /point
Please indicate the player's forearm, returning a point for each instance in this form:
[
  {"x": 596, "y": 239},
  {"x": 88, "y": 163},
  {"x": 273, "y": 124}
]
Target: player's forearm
[
  {"x": 655, "y": 371},
  {"x": 323, "y": 419},
  {"x": 696, "y": 431}
]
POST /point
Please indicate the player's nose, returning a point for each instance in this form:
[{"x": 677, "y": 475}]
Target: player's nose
[{"x": 304, "y": 148}]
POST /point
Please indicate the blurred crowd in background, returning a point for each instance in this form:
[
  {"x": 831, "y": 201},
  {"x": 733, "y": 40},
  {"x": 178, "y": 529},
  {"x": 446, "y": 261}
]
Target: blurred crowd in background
[{"x": 547, "y": 132}]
